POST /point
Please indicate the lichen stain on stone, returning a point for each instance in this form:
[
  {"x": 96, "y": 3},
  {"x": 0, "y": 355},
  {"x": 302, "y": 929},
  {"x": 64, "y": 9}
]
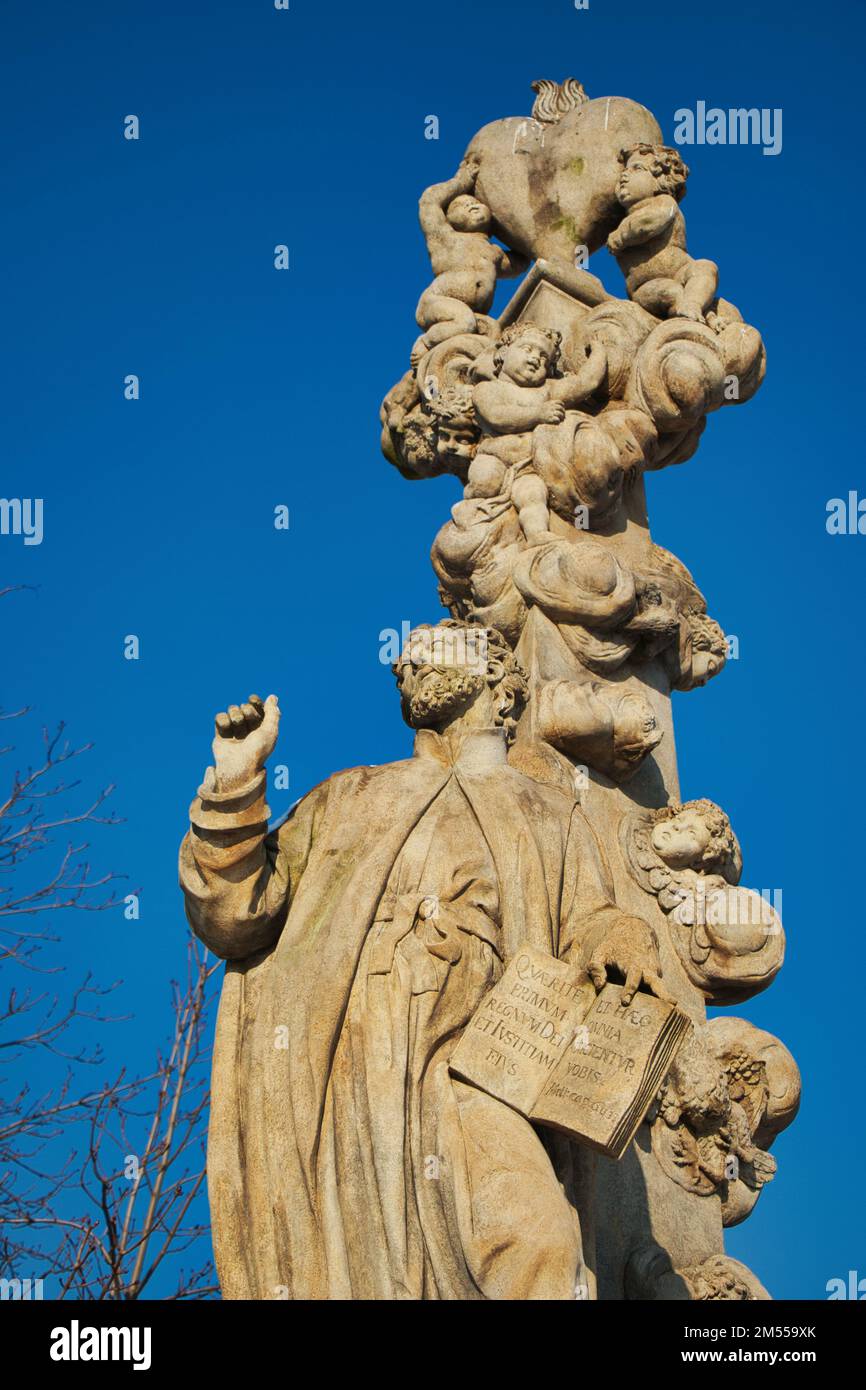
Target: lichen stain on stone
[{"x": 569, "y": 226}]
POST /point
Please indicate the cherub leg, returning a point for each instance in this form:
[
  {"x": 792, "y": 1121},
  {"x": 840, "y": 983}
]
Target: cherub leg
[
  {"x": 443, "y": 317},
  {"x": 659, "y": 297},
  {"x": 486, "y": 476},
  {"x": 699, "y": 289},
  {"x": 529, "y": 495}
]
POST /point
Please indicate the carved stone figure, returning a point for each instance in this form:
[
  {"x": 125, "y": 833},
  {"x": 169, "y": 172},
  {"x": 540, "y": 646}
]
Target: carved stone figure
[
  {"x": 541, "y": 806},
  {"x": 730, "y": 940},
  {"x": 465, "y": 261},
  {"x": 650, "y": 1275},
  {"x": 650, "y": 241},
  {"x": 727, "y": 1096},
  {"x": 523, "y": 394},
  {"x": 344, "y": 1161}
]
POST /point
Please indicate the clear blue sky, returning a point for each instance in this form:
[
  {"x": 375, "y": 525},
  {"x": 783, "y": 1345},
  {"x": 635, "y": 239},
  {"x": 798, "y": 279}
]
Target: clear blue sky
[{"x": 258, "y": 388}]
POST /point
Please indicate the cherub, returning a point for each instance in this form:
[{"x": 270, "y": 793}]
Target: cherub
[
  {"x": 698, "y": 1128},
  {"x": 729, "y": 939},
  {"x": 465, "y": 261},
  {"x": 525, "y": 393},
  {"x": 650, "y": 242},
  {"x": 425, "y": 437},
  {"x": 696, "y": 838},
  {"x": 457, "y": 431},
  {"x": 708, "y": 651}
]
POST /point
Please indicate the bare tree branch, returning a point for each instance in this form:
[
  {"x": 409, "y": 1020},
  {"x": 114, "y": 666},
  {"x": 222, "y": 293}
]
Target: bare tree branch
[{"x": 98, "y": 1184}]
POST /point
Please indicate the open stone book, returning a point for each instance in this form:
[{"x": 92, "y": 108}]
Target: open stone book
[{"x": 545, "y": 1043}]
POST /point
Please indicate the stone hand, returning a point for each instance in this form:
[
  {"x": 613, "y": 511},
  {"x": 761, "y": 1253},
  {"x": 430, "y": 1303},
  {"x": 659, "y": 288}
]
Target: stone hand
[
  {"x": 553, "y": 413},
  {"x": 467, "y": 173},
  {"x": 631, "y": 950},
  {"x": 245, "y": 738}
]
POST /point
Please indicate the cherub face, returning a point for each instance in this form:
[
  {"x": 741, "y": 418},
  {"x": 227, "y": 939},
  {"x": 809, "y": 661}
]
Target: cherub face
[
  {"x": 637, "y": 181},
  {"x": 527, "y": 360},
  {"x": 705, "y": 665},
  {"x": 456, "y": 442},
  {"x": 466, "y": 214},
  {"x": 681, "y": 841}
]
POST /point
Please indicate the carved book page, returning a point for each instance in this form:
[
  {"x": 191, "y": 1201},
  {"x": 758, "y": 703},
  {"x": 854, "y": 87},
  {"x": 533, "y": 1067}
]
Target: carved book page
[{"x": 544, "y": 1043}]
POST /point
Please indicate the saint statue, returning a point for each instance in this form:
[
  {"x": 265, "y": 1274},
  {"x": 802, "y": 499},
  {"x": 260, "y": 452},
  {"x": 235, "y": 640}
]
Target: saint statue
[{"x": 345, "y": 1162}]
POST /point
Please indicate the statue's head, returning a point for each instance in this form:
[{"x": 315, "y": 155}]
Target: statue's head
[
  {"x": 709, "y": 648},
  {"x": 695, "y": 1089},
  {"x": 457, "y": 431},
  {"x": 527, "y": 354},
  {"x": 649, "y": 170},
  {"x": 467, "y": 214},
  {"x": 697, "y": 835},
  {"x": 460, "y": 672}
]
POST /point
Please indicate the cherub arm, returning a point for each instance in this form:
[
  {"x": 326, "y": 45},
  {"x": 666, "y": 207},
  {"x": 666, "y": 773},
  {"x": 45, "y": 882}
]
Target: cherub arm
[
  {"x": 512, "y": 263},
  {"x": 435, "y": 199},
  {"x": 501, "y": 410},
  {"x": 645, "y": 223},
  {"x": 575, "y": 387}
]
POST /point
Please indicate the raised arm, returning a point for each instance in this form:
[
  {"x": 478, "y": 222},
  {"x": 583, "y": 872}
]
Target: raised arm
[
  {"x": 237, "y": 879},
  {"x": 644, "y": 223},
  {"x": 574, "y": 388},
  {"x": 435, "y": 199}
]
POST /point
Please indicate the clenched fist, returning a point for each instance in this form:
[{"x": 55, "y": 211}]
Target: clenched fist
[{"x": 245, "y": 738}]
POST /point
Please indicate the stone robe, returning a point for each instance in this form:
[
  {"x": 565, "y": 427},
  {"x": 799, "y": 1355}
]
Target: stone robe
[{"x": 344, "y": 1161}]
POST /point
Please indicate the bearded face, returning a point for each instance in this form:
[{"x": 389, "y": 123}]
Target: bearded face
[{"x": 432, "y": 696}]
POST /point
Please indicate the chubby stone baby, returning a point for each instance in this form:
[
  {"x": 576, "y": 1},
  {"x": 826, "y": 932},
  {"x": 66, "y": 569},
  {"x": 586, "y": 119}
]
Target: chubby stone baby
[
  {"x": 697, "y": 836},
  {"x": 525, "y": 393},
  {"x": 650, "y": 242}
]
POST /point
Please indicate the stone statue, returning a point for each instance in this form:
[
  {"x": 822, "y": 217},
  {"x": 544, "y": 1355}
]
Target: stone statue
[
  {"x": 524, "y": 394},
  {"x": 465, "y": 261},
  {"x": 730, "y": 940},
  {"x": 650, "y": 241},
  {"x": 541, "y": 806},
  {"x": 344, "y": 1161},
  {"x": 729, "y": 1093}
]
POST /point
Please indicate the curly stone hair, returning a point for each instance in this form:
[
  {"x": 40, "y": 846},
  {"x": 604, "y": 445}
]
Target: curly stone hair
[
  {"x": 707, "y": 636},
  {"x": 668, "y": 167},
  {"x": 419, "y": 439},
  {"x": 722, "y": 855},
  {"x": 518, "y": 330},
  {"x": 504, "y": 674},
  {"x": 453, "y": 402}
]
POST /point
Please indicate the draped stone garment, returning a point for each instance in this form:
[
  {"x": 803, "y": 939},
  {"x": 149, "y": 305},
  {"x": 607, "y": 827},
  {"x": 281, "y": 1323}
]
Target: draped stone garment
[{"x": 344, "y": 1161}]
